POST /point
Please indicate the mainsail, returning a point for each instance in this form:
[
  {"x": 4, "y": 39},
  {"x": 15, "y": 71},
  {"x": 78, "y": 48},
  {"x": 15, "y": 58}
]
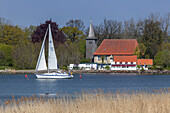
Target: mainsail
[
  {"x": 41, "y": 64},
  {"x": 52, "y": 60}
]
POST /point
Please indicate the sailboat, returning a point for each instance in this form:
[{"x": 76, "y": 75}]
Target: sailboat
[{"x": 52, "y": 60}]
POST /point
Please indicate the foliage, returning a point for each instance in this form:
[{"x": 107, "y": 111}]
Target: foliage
[
  {"x": 162, "y": 58},
  {"x": 107, "y": 67},
  {"x": 138, "y": 66},
  {"x": 81, "y": 43},
  {"x": 76, "y": 23},
  {"x": 142, "y": 69},
  {"x": 72, "y": 34},
  {"x": 5, "y": 67},
  {"x": 140, "y": 50},
  {"x": 5, "y": 55},
  {"x": 11, "y": 35},
  {"x": 29, "y": 32},
  {"x": 65, "y": 68},
  {"x": 57, "y": 34},
  {"x": 25, "y": 55},
  {"x": 152, "y": 36},
  {"x": 84, "y": 60}
]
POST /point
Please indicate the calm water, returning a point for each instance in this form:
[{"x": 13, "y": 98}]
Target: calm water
[{"x": 18, "y": 85}]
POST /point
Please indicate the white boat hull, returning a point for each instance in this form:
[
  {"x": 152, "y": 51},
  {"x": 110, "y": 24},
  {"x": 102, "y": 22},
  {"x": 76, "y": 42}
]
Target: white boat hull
[{"x": 54, "y": 75}]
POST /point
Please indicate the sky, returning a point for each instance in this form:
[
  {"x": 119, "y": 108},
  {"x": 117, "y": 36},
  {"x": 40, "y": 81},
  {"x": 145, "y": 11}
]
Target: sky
[{"x": 34, "y": 12}]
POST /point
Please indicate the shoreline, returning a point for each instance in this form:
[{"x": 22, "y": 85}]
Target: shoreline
[{"x": 9, "y": 71}]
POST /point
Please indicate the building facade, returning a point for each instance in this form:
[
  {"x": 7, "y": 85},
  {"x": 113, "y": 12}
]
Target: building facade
[{"x": 110, "y": 48}]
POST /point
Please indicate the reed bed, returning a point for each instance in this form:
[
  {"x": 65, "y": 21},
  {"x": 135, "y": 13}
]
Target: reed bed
[{"x": 98, "y": 101}]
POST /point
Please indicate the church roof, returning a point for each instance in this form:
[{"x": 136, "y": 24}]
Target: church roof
[
  {"x": 91, "y": 32},
  {"x": 125, "y": 58},
  {"x": 117, "y": 47}
]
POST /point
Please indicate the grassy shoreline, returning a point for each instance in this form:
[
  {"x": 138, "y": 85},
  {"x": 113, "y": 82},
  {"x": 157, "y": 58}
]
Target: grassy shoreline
[{"x": 97, "y": 102}]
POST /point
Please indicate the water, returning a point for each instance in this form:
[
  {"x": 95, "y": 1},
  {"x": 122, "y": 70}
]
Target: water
[{"x": 18, "y": 85}]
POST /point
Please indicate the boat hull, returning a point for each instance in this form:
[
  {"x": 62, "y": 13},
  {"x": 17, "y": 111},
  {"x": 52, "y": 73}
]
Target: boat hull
[{"x": 54, "y": 76}]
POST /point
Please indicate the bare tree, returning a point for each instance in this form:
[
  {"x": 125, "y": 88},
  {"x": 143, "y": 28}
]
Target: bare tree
[{"x": 76, "y": 23}]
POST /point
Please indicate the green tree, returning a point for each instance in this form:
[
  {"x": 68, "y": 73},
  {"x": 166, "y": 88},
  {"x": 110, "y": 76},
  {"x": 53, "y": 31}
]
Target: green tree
[
  {"x": 28, "y": 32},
  {"x": 72, "y": 34},
  {"x": 6, "y": 55},
  {"x": 163, "y": 56},
  {"x": 152, "y": 36},
  {"x": 25, "y": 56},
  {"x": 140, "y": 50},
  {"x": 11, "y": 35}
]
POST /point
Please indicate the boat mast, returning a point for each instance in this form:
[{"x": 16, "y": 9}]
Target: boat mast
[{"x": 48, "y": 46}]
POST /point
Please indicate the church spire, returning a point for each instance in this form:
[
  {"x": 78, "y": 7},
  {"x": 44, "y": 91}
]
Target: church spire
[{"x": 91, "y": 32}]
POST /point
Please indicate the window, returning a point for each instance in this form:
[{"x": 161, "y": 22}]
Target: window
[
  {"x": 99, "y": 57},
  {"x": 90, "y": 42},
  {"x": 105, "y": 57}
]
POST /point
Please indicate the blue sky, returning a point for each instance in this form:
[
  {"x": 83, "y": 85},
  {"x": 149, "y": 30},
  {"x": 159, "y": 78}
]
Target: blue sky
[{"x": 34, "y": 12}]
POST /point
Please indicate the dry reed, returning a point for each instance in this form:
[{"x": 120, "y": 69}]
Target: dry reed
[{"x": 97, "y": 102}]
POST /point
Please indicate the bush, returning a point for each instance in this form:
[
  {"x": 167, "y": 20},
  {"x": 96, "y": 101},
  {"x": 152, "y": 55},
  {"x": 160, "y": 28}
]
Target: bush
[
  {"x": 65, "y": 68},
  {"x": 138, "y": 66},
  {"x": 142, "y": 69},
  {"x": 75, "y": 68},
  {"x": 84, "y": 60},
  {"x": 107, "y": 67}
]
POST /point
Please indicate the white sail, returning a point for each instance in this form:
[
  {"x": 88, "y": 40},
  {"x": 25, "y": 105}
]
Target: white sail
[
  {"x": 52, "y": 60},
  {"x": 41, "y": 64}
]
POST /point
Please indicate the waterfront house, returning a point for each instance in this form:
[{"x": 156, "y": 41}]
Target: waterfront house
[
  {"x": 145, "y": 63},
  {"x": 110, "y": 48},
  {"x": 124, "y": 63}
]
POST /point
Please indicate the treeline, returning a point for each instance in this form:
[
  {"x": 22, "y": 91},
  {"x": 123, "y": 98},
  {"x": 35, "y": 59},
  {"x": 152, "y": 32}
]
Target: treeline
[
  {"x": 152, "y": 34},
  {"x": 20, "y": 47}
]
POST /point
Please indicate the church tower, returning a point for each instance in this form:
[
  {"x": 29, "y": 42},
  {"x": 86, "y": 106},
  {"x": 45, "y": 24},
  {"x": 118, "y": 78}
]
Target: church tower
[{"x": 91, "y": 43}]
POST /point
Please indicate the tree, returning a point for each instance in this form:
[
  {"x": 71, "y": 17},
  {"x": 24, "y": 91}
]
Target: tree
[
  {"x": 140, "y": 50},
  {"x": 76, "y": 23},
  {"x": 11, "y": 35},
  {"x": 39, "y": 33},
  {"x": 163, "y": 56},
  {"x": 6, "y": 55},
  {"x": 29, "y": 32},
  {"x": 25, "y": 56},
  {"x": 130, "y": 30},
  {"x": 72, "y": 34},
  {"x": 152, "y": 37}
]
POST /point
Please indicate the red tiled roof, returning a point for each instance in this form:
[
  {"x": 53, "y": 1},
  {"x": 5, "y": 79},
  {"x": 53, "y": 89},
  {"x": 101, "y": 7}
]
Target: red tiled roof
[
  {"x": 145, "y": 62},
  {"x": 125, "y": 58},
  {"x": 117, "y": 47}
]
